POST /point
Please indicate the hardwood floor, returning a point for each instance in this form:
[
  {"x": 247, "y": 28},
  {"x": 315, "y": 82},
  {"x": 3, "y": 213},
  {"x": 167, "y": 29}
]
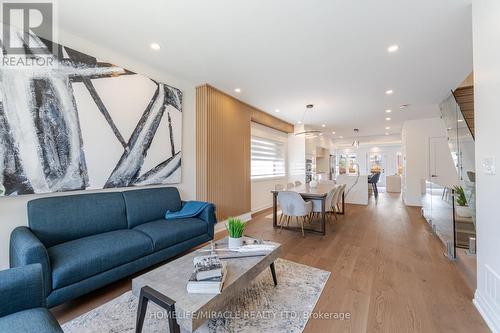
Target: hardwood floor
[{"x": 388, "y": 272}]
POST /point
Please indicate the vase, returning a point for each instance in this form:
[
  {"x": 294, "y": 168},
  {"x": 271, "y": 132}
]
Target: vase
[
  {"x": 463, "y": 211},
  {"x": 234, "y": 243}
]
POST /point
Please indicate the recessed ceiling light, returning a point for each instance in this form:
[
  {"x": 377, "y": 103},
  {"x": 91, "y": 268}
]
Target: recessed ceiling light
[
  {"x": 460, "y": 120},
  {"x": 388, "y": 111},
  {"x": 333, "y": 133},
  {"x": 238, "y": 90},
  {"x": 386, "y": 133},
  {"x": 388, "y": 128},
  {"x": 389, "y": 92},
  {"x": 299, "y": 122},
  {"x": 277, "y": 110},
  {"x": 323, "y": 125},
  {"x": 388, "y": 118},
  {"x": 341, "y": 136},
  {"x": 393, "y": 48},
  {"x": 155, "y": 46}
]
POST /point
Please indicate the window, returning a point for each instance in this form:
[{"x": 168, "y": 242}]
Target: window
[{"x": 268, "y": 158}]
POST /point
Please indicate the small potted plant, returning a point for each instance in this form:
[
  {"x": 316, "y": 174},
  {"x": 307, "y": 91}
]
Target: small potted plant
[
  {"x": 462, "y": 209},
  {"x": 235, "y": 228}
]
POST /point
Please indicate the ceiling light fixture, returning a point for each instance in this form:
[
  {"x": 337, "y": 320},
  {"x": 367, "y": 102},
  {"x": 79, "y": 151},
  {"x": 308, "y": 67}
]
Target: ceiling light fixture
[
  {"x": 393, "y": 48},
  {"x": 308, "y": 133},
  {"x": 355, "y": 143},
  {"x": 388, "y": 118},
  {"x": 460, "y": 120},
  {"x": 238, "y": 90},
  {"x": 341, "y": 136},
  {"x": 389, "y": 92},
  {"x": 333, "y": 133},
  {"x": 299, "y": 122},
  {"x": 386, "y": 133},
  {"x": 388, "y": 128},
  {"x": 323, "y": 125},
  {"x": 155, "y": 46},
  {"x": 388, "y": 111},
  {"x": 277, "y": 110}
]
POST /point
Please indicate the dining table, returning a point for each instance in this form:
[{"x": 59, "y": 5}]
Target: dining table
[{"x": 308, "y": 192}]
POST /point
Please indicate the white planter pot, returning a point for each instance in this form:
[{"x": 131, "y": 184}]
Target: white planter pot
[
  {"x": 234, "y": 243},
  {"x": 463, "y": 211}
]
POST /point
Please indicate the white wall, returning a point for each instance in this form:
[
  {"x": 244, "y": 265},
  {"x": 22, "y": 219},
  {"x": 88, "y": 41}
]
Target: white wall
[
  {"x": 13, "y": 209},
  {"x": 415, "y": 150},
  {"x": 296, "y": 157},
  {"x": 261, "y": 196},
  {"x": 486, "y": 34}
]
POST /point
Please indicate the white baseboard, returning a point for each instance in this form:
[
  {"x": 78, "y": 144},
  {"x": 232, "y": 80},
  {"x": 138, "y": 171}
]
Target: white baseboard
[
  {"x": 486, "y": 310},
  {"x": 256, "y": 210},
  {"x": 221, "y": 225}
]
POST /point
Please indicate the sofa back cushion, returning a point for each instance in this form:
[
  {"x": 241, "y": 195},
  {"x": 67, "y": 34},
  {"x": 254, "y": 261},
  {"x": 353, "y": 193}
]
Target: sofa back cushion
[
  {"x": 57, "y": 220},
  {"x": 150, "y": 204}
]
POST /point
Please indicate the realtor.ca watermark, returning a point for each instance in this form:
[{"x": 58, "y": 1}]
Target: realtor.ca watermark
[
  {"x": 28, "y": 34},
  {"x": 261, "y": 315}
]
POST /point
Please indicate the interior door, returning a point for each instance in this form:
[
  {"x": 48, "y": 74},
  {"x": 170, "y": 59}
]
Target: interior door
[{"x": 441, "y": 168}]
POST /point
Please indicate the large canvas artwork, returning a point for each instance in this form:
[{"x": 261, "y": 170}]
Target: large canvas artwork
[{"x": 86, "y": 124}]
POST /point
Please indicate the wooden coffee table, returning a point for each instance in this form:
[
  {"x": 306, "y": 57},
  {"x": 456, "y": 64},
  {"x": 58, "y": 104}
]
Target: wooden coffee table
[{"x": 166, "y": 286}]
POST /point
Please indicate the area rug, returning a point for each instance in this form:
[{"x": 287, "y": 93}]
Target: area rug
[{"x": 262, "y": 307}]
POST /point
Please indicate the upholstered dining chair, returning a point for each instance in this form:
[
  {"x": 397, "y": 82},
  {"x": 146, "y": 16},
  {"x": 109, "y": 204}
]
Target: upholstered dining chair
[
  {"x": 292, "y": 205},
  {"x": 290, "y": 185},
  {"x": 298, "y": 183},
  {"x": 329, "y": 202},
  {"x": 338, "y": 200}
]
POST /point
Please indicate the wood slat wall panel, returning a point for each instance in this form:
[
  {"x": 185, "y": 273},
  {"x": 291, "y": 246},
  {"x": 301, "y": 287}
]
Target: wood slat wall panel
[
  {"x": 270, "y": 121},
  {"x": 223, "y": 151}
]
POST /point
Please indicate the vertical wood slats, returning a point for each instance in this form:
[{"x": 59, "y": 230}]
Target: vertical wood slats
[{"x": 222, "y": 151}]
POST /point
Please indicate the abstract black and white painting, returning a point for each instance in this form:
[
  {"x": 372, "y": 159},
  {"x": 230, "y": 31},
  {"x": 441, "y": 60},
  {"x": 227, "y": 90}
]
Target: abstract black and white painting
[{"x": 85, "y": 124}]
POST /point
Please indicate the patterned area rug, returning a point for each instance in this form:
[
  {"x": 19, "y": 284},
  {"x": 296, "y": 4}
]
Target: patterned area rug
[{"x": 260, "y": 308}]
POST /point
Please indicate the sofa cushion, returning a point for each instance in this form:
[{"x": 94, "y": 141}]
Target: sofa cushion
[
  {"x": 82, "y": 258},
  {"x": 167, "y": 233},
  {"x": 150, "y": 204},
  {"x": 61, "y": 219},
  {"x": 32, "y": 320}
]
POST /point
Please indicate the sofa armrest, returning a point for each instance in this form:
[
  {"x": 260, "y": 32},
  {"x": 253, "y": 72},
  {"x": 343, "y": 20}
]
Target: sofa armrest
[
  {"x": 21, "y": 289},
  {"x": 25, "y": 249},
  {"x": 208, "y": 215}
]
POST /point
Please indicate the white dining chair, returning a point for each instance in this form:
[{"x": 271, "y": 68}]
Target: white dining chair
[
  {"x": 338, "y": 200},
  {"x": 279, "y": 187},
  {"x": 329, "y": 202},
  {"x": 290, "y": 185},
  {"x": 292, "y": 205}
]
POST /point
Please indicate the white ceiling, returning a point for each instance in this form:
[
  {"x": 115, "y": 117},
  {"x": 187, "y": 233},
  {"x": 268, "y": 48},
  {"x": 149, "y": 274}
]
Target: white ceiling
[{"x": 288, "y": 53}]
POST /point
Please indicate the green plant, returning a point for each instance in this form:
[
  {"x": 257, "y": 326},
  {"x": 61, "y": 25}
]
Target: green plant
[
  {"x": 235, "y": 227},
  {"x": 460, "y": 196}
]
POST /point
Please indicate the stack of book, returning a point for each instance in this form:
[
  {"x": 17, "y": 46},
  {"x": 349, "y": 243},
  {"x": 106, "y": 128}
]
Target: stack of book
[{"x": 208, "y": 275}]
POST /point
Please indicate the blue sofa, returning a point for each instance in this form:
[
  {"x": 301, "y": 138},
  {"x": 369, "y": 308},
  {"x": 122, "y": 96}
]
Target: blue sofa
[
  {"x": 23, "y": 302},
  {"x": 87, "y": 241}
]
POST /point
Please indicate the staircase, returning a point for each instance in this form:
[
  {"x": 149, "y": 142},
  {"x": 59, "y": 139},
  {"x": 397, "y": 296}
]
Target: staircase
[{"x": 465, "y": 99}]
